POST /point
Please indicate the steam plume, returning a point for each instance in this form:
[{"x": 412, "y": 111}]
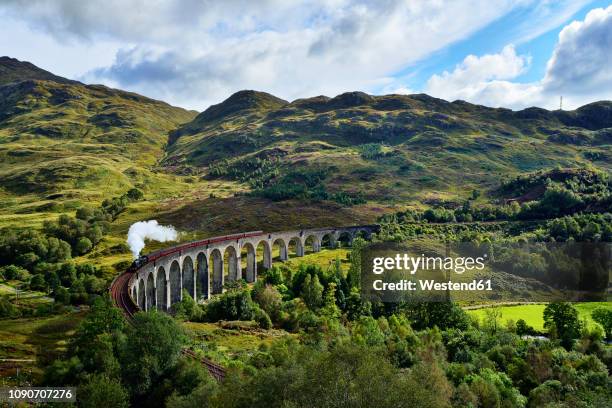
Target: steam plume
[{"x": 141, "y": 230}]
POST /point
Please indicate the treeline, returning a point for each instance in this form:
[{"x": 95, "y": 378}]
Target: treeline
[
  {"x": 541, "y": 195},
  {"x": 255, "y": 171},
  {"x": 578, "y": 227},
  {"x": 306, "y": 184},
  {"x": 374, "y": 151},
  {"x": 401, "y": 357},
  {"x": 43, "y": 259}
]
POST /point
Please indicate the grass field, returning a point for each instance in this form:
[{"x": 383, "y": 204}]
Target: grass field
[
  {"x": 533, "y": 313},
  {"x": 222, "y": 340},
  {"x": 38, "y": 339}
]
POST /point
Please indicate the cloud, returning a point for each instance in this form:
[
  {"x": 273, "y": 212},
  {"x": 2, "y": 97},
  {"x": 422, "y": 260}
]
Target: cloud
[
  {"x": 582, "y": 61},
  {"x": 471, "y": 78},
  {"x": 195, "y": 53},
  {"x": 580, "y": 70}
]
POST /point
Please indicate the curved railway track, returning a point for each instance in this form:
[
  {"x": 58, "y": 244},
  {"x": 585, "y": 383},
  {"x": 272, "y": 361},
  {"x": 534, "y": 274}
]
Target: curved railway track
[{"x": 120, "y": 295}]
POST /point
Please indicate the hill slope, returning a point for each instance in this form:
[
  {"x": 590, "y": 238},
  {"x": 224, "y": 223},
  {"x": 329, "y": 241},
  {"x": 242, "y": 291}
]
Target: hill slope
[
  {"x": 58, "y": 134},
  {"x": 63, "y": 143},
  {"x": 389, "y": 148}
]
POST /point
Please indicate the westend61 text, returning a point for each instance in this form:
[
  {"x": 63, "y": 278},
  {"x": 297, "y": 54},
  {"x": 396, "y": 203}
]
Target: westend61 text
[{"x": 432, "y": 285}]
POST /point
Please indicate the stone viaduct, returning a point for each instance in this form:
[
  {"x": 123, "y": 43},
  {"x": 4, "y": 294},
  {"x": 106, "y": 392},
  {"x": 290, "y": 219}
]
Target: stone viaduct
[{"x": 202, "y": 267}]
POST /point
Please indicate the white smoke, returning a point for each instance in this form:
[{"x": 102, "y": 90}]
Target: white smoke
[{"x": 141, "y": 230}]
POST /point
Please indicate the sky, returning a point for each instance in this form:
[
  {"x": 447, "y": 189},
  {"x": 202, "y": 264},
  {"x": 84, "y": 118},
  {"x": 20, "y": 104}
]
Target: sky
[{"x": 195, "y": 53}]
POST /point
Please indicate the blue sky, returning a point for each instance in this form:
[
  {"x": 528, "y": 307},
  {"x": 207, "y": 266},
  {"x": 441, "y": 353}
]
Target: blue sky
[
  {"x": 198, "y": 52},
  {"x": 494, "y": 37}
]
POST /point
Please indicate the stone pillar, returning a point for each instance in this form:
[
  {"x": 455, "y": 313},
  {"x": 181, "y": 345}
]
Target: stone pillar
[
  {"x": 299, "y": 249},
  {"x": 316, "y": 244},
  {"x": 168, "y": 295},
  {"x": 251, "y": 271},
  {"x": 238, "y": 267},
  {"x": 180, "y": 279},
  {"x": 267, "y": 256},
  {"x": 284, "y": 251},
  {"x": 195, "y": 282}
]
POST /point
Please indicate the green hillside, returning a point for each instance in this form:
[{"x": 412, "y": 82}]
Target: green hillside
[
  {"x": 63, "y": 143},
  {"x": 388, "y": 149},
  {"x": 255, "y": 161}
]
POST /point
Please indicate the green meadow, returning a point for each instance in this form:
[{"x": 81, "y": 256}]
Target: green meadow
[{"x": 533, "y": 313}]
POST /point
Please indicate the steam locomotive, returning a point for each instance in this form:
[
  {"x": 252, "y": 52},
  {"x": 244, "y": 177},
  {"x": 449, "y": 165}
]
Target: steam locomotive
[{"x": 153, "y": 256}]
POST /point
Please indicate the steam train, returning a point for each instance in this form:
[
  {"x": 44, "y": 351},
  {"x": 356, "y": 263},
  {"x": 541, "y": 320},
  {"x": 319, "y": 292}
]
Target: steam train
[{"x": 153, "y": 256}]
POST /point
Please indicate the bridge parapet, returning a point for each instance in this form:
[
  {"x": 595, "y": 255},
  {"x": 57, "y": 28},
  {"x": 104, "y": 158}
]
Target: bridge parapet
[{"x": 202, "y": 267}]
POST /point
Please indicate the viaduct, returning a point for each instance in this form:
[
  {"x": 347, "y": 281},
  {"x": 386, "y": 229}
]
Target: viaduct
[{"x": 202, "y": 267}]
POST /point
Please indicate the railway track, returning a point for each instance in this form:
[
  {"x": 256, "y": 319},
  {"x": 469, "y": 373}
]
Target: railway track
[{"x": 120, "y": 295}]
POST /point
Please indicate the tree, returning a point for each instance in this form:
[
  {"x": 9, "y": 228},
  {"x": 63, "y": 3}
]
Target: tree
[
  {"x": 354, "y": 273},
  {"x": 135, "y": 194},
  {"x": 522, "y": 328},
  {"x": 102, "y": 391},
  {"x": 270, "y": 300},
  {"x": 13, "y": 272},
  {"x": 187, "y": 308},
  {"x": 330, "y": 309},
  {"x": 492, "y": 318},
  {"x": 103, "y": 318},
  {"x": 67, "y": 274},
  {"x": 603, "y": 316},
  {"x": 152, "y": 348},
  {"x": 38, "y": 283},
  {"x": 312, "y": 292},
  {"x": 562, "y": 318},
  {"x": 83, "y": 246},
  {"x": 61, "y": 295}
]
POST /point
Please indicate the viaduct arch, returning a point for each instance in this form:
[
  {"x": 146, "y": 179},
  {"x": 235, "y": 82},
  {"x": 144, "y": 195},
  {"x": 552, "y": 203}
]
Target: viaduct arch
[{"x": 202, "y": 267}]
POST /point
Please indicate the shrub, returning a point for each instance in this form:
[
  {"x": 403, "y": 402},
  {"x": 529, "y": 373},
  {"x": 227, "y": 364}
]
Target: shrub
[
  {"x": 83, "y": 246},
  {"x": 13, "y": 272},
  {"x": 262, "y": 318},
  {"x": 38, "y": 283}
]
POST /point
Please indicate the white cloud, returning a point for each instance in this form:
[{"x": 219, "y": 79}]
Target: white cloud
[
  {"x": 194, "y": 53},
  {"x": 582, "y": 61},
  {"x": 580, "y": 69},
  {"x": 475, "y": 74}
]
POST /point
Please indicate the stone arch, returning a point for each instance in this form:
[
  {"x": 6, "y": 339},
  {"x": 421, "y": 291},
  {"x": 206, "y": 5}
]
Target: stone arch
[
  {"x": 328, "y": 240},
  {"x": 282, "y": 249},
  {"x": 189, "y": 280},
  {"x": 249, "y": 256},
  {"x": 345, "y": 239},
  {"x": 141, "y": 294},
  {"x": 231, "y": 260},
  {"x": 162, "y": 289},
  {"x": 134, "y": 293},
  {"x": 150, "y": 298},
  {"x": 363, "y": 233},
  {"x": 202, "y": 278},
  {"x": 295, "y": 246},
  {"x": 175, "y": 282},
  {"x": 216, "y": 259},
  {"x": 311, "y": 244},
  {"x": 265, "y": 249}
]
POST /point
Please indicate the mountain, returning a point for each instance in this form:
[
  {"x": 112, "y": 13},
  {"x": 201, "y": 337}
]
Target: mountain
[
  {"x": 13, "y": 70},
  {"x": 256, "y": 161},
  {"x": 391, "y": 148},
  {"x": 61, "y": 136}
]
